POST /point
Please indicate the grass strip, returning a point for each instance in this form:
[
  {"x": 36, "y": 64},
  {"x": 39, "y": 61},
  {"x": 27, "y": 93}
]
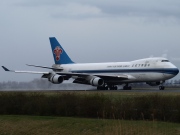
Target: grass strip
[{"x": 41, "y": 125}]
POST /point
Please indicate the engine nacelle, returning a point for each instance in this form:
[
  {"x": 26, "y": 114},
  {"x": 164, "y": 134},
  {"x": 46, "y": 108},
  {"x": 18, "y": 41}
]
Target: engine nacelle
[
  {"x": 56, "y": 79},
  {"x": 153, "y": 83},
  {"x": 96, "y": 81}
]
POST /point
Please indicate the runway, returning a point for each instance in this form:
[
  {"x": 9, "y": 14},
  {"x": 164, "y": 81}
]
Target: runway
[
  {"x": 134, "y": 90},
  {"x": 147, "y": 90},
  {"x": 140, "y": 90}
]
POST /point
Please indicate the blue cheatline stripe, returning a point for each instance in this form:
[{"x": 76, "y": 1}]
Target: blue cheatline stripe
[{"x": 173, "y": 71}]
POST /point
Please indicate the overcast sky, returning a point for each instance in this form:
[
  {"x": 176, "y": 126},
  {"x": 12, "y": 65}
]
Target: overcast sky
[{"x": 89, "y": 31}]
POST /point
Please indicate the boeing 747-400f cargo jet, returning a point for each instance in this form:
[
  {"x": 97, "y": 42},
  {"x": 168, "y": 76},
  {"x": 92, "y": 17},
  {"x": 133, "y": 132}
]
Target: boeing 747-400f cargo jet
[{"x": 153, "y": 71}]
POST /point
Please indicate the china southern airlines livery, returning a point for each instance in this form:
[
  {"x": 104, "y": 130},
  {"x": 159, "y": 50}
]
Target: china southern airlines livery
[{"x": 153, "y": 71}]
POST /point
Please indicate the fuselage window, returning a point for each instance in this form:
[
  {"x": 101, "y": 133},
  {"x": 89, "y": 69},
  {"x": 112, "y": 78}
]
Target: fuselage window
[
  {"x": 142, "y": 65},
  {"x": 136, "y": 65},
  {"x": 133, "y": 65},
  {"x": 165, "y": 61},
  {"x": 148, "y": 65},
  {"x": 139, "y": 65},
  {"x": 145, "y": 65}
]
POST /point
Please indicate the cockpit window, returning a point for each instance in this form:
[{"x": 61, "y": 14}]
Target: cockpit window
[{"x": 165, "y": 61}]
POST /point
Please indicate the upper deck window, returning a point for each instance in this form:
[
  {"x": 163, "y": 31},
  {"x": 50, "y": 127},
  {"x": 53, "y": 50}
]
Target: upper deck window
[{"x": 165, "y": 61}]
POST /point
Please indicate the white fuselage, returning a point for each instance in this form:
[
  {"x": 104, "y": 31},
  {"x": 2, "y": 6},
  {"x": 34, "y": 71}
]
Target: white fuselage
[{"x": 143, "y": 70}]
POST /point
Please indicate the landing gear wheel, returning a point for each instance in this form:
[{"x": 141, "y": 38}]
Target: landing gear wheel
[
  {"x": 100, "y": 88},
  {"x": 161, "y": 87},
  {"x": 126, "y": 87},
  {"x": 113, "y": 87},
  {"x": 106, "y": 88}
]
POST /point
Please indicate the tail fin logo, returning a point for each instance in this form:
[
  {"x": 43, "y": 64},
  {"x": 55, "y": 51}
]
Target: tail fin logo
[{"x": 58, "y": 51}]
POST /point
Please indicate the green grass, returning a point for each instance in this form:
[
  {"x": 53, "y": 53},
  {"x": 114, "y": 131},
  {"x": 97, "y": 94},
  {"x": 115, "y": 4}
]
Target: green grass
[
  {"x": 107, "y": 105},
  {"x": 36, "y": 125}
]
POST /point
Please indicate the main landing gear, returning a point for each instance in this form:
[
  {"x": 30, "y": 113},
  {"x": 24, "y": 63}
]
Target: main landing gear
[
  {"x": 126, "y": 87},
  {"x": 161, "y": 87},
  {"x": 107, "y": 87},
  {"x": 113, "y": 87}
]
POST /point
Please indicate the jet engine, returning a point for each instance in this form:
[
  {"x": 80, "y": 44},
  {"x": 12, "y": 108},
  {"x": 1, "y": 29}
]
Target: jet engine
[
  {"x": 56, "y": 79},
  {"x": 153, "y": 83},
  {"x": 96, "y": 81}
]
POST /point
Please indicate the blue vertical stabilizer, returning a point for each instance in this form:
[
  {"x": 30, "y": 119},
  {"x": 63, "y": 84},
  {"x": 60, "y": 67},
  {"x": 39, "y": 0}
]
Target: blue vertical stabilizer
[{"x": 59, "y": 54}]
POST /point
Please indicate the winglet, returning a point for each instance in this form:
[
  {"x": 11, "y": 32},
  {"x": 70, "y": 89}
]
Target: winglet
[{"x": 5, "y": 68}]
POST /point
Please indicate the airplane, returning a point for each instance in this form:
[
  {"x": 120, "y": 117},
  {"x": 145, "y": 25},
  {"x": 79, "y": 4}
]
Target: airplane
[{"x": 105, "y": 76}]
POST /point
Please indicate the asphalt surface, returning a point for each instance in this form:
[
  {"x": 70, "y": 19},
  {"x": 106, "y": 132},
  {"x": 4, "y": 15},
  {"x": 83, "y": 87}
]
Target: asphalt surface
[
  {"x": 143, "y": 90},
  {"x": 156, "y": 89},
  {"x": 147, "y": 90}
]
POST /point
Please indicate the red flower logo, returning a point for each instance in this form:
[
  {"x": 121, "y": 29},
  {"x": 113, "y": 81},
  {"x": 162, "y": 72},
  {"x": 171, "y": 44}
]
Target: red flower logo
[{"x": 58, "y": 51}]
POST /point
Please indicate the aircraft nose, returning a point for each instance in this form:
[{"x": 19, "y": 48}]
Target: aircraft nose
[{"x": 177, "y": 71}]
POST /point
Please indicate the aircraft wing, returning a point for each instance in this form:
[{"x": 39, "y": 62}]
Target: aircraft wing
[
  {"x": 45, "y": 67},
  {"x": 105, "y": 77},
  {"x": 119, "y": 77},
  {"x": 46, "y": 73},
  {"x": 31, "y": 72},
  {"x": 81, "y": 75}
]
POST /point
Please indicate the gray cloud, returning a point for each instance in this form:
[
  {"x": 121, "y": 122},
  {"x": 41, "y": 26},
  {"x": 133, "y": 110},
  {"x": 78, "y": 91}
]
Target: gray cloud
[
  {"x": 90, "y": 31},
  {"x": 114, "y": 8},
  {"x": 175, "y": 59}
]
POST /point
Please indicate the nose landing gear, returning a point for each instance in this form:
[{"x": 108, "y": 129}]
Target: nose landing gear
[{"x": 161, "y": 87}]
